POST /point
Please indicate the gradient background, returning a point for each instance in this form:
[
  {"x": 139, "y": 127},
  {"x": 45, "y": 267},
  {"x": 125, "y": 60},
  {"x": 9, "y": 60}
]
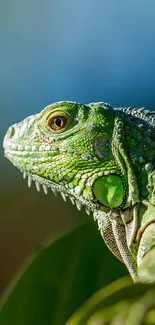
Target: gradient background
[{"x": 51, "y": 50}]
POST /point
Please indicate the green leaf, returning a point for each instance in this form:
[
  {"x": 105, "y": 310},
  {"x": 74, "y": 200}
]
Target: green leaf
[
  {"x": 122, "y": 302},
  {"x": 59, "y": 278}
]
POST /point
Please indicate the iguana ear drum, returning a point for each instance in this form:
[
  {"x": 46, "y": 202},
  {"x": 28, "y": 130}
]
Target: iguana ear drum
[{"x": 109, "y": 191}]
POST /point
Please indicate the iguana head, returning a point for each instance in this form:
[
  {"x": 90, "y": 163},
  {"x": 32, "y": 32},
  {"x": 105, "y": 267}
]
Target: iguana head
[
  {"x": 101, "y": 158},
  {"x": 68, "y": 148}
]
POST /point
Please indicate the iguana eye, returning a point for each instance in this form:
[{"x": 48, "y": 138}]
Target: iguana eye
[{"x": 57, "y": 122}]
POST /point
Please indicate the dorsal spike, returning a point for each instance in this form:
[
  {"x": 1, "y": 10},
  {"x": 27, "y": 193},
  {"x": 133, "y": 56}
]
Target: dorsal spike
[{"x": 142, "y": 113}]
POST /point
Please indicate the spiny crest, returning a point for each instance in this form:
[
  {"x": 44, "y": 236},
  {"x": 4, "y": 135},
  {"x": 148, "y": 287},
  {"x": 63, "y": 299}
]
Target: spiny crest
[
  {"x": 46, "y": 185},
  {"x": 142, "y": 113}
]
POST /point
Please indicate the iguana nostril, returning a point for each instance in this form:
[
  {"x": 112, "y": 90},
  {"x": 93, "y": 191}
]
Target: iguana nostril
[{"x": 11, "y": 132}]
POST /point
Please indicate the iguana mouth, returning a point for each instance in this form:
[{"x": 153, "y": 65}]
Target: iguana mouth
[{"x": 22, "y": 150}]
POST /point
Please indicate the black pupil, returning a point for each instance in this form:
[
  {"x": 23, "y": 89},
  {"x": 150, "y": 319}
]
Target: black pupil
[{"x": 58, "y": 121}]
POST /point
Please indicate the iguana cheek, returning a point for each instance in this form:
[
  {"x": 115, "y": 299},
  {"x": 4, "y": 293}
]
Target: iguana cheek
[{"x": 109, "y": 191}]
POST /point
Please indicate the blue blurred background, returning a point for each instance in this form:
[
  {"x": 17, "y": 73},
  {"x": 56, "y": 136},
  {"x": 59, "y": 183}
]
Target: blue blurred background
[{"x": 52, "y": 50}]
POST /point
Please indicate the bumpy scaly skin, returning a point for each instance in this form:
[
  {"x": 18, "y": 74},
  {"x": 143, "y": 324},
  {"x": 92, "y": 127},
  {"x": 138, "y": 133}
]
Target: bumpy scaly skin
[{"x": 102, "y": 158}]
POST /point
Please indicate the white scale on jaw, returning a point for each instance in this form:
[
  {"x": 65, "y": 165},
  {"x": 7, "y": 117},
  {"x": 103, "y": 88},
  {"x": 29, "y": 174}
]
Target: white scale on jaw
[
  {"x": 55, "y": 188},
  {"x": 45, "y": 189},
  {"x": 89, "y": 206}
]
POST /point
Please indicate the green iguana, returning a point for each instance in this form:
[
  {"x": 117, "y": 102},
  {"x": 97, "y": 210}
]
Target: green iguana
[{"x": 102, "y": 158}]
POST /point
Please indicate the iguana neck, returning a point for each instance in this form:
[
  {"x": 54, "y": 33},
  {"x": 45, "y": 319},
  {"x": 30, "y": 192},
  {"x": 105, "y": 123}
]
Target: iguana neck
[{"x": 139, "y": 143}]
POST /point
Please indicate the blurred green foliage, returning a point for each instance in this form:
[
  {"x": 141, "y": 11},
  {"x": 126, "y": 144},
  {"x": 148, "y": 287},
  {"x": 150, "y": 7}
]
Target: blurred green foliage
[
  {"x": 65, "y": 282},
  {"x": 120, "y": 303},
  {"x": 61, "y": 276}
]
